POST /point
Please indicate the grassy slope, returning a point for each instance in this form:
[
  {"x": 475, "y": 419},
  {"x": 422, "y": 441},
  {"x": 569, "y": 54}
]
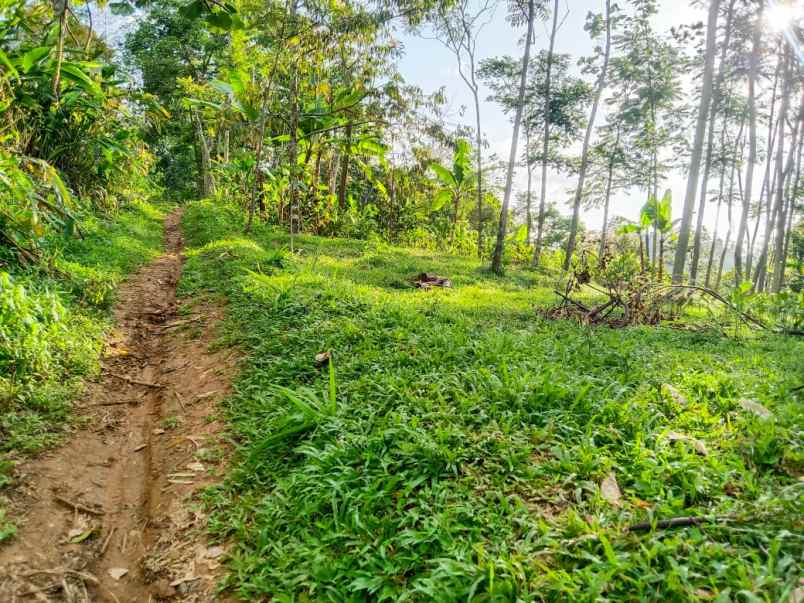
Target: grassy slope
[
  {"x": 66, "y": 314},
  {"x": 470, "y": 437}
]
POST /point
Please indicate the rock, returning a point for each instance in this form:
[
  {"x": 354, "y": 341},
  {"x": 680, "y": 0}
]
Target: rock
[
  {"x": 214, "y": 552},
  {"x": 117, "y": 572}
]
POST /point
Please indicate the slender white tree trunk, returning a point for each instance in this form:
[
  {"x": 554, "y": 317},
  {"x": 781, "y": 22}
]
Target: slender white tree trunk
[
  {"x": 742, "y": 228},
  {"x": 713, "y": 110},
  {"x": 601, "y": 85},
  {"x": 499, "y": 248},
  {"x": 697, "y": 146},
  {"x": 777, "y": 190},
  {"x": 537, "y": 248},
  {"x": 781, "y": 221}
]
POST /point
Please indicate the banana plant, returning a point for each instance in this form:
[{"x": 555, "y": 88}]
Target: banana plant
[
  {"x": 455, "y": 184},
  {"x": 658, "y": 214},
  {"x": 640, "y": 228}
]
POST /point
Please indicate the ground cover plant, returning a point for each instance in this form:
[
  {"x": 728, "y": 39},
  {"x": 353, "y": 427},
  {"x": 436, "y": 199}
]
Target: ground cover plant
[
  {"x": 462, "y": 447},
  {"x": 54, "y": 316}
]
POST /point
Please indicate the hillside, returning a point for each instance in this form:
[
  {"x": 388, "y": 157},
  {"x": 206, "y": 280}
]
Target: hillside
[
  {"x": 401, "y": 300},
  {"x": 471, "y": 447}
]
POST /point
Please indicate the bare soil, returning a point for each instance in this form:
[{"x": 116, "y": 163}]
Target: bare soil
[{"x": 112, "y": 515}]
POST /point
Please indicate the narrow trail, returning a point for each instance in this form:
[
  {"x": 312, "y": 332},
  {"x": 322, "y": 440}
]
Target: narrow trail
[{"x": 110, "y": 515}]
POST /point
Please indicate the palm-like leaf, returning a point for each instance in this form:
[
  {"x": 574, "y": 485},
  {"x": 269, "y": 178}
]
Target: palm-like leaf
[{"x": 444, "y": 175}]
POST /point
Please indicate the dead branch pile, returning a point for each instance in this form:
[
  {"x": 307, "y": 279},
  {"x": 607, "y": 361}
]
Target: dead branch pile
[
  {"x": 426, "y": 280},
  {"x": 638, "y": 301}
]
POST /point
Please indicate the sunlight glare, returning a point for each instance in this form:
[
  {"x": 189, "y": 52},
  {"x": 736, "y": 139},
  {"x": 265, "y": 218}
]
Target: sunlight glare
[{"x": 780, "y": 16}]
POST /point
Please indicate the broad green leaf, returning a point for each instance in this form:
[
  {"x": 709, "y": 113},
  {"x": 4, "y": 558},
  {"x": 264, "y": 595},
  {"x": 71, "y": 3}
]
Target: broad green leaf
[
  {"x": 33, "y": 56},
  {"x": 461, "y": 160},
  {"x": 222, "y": 86},
  {"x": 440, "y": 199},
  {"x": 372, "y": 147},
  {"x": 444, "y": 175},
  {"x": 72, "y": 72},
  {"x": 221, "y": 20},
  {"x": 348, "y": 98}
]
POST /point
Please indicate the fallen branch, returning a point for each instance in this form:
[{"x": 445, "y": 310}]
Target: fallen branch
[
  {"x": 675, "y": 522},
  {"x": 135, "y": 381},
  {"x": 118, "y": 403},
  {"x": 179, "y": 323},
  {"x": 568, "y": 299},
  {"x": 107, "y": 541},
  {"x": 715, "y": 295},
  {"x": 77, "y": 506},
  {"x": 86, "y": 577}
]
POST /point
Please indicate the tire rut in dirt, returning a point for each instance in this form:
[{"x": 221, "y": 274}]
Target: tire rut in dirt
[{"x": 109, "y": 516}]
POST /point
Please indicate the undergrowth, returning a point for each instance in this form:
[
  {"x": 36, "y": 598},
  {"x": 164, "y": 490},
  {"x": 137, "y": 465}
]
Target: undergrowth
[
  {"x": 53, "y": 317},
  {"x": 457, "y": 449}
]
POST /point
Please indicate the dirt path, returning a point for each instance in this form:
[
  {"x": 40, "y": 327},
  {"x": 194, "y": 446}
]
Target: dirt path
[{"x": 109, "y": 516}]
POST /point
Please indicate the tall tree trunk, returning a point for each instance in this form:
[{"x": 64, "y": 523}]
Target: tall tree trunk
[
  {"x": 713, "y": 110},
  {"x": 458, "y": 43},
  {"x": 528, "y": 205},
  {"x": 742, "y": 228},
  {"x": 766, "y": 185},
  {"x": 537, "y": 248},
  {"x": 345, "y": 157},
  {"x": 313, "y": 195},
  {"x": 226, "y": 145},
  {"x": 781, "y": 222},
  {"x": 499, "y": 248},
  {"x": 724, "y": 251},
  {"x": 256, "y": 193},
  {"x": 737, "y": 158},
  {"x": 792, "y": 196},
  {"x": 641, "y": 253},
  {"x": 697, "y": 146},
  {"x": 607, "y": 201},
  {"x": 647, "y": 248},
  {"x": 257, "y": 180},
  {"x": 762, "y": 272},
  {"x": 293, "y": 160},
  {"x": 529, "y": 189},
  {"x": 479, "y": 163},
  {"x": 207, "y": 181},
  {"x": 601, "y": 85},
  {"x": 710, "y": 259},
  {"x": 61, "y": 8}
]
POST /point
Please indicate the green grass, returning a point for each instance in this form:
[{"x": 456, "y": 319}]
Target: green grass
[
  {"x": 53, "y": 319},
  {"x": 457, "y": 449}
]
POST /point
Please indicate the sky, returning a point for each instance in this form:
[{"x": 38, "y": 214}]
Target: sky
[{"x": 428, "y": 64}]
